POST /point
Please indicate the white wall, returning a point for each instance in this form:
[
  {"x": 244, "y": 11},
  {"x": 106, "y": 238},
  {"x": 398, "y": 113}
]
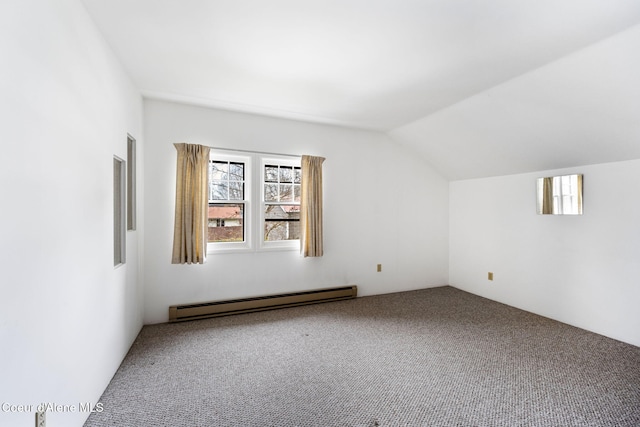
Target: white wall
[
  {"x": 581, "y": 270},
  {"x": 68, "y": 317},
  {"x": 382, "y": 205}
]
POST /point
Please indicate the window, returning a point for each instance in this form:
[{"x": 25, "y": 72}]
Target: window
[
  {"x": 254, "y": 202},
  {"x": 228, "y": 193},
  {"x": 565, "y": 194},
  {"x": 281, "y": 202},
  {"x": 560, "y": 195}
]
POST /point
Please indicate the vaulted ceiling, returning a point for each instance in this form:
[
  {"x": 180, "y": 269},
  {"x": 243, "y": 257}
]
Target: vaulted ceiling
[{"x": 472, "y": 85}]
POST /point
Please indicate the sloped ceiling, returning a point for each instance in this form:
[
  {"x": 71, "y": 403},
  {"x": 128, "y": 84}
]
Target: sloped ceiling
[
  {"x": 579, "y": 110},
  {"x": 463, "y": 82}
]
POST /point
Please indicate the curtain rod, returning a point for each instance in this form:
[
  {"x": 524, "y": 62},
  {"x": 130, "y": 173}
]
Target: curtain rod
[{"x": 255, "y": 152}]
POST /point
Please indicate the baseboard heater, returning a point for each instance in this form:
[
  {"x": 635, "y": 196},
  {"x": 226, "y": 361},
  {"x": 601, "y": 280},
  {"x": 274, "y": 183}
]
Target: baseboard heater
[{"x": 179, "y": 313}]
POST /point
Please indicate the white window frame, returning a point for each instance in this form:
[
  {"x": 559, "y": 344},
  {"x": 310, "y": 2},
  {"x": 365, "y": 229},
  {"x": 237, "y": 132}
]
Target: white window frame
[
  {"x": 247, "y": 244},
  {"x": 254, "y": 204},
  {"x": 278, "y": 244}
]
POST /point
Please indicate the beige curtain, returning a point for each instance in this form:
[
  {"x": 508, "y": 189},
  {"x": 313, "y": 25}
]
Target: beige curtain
[
  {"x": 192, "y": 182},
  {"x": 579, "y": 194},
  {"x": 311, "y": 207},
  {"x": 547, "y": 195}
]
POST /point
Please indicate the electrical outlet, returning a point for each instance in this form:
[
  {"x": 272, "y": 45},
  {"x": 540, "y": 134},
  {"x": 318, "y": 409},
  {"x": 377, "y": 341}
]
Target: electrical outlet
[
  {"x": 41, "y": 419},
  {"x": 379, "y": 268},
  {"x": 490, "y": 276}
]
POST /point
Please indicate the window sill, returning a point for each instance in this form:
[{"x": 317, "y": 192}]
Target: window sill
[
  {"x": 279, "y": 248},
  {"x": 289, "y": 246}
]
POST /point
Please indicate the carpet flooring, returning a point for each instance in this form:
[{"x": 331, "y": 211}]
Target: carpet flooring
[{"x": 434, "y": 357}]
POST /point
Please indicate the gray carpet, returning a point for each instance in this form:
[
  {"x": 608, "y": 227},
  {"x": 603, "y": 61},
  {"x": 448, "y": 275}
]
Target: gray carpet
[{"x": 435, "y": 357}]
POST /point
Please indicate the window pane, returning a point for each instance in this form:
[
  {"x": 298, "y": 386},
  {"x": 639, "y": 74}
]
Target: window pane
[
  {"x": 236, "y": 190},
  {"x": 219, "y": 191},
  {"x": 297, "y": 175},
  {"x": 282, "y": 222},
  {"x": 286, "y": 192},
  {"x": 286, "y": 174},
  {"x": 271, "y": 173},
  {"x": 226, "y": 180},
  {"x": 271, "y": 192},
  {"x": 296, "y": 193},
  {"x": 226, "y": 222},
  {"x": 236, "y": 171},
  {"x": 218, "y": 170}
]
